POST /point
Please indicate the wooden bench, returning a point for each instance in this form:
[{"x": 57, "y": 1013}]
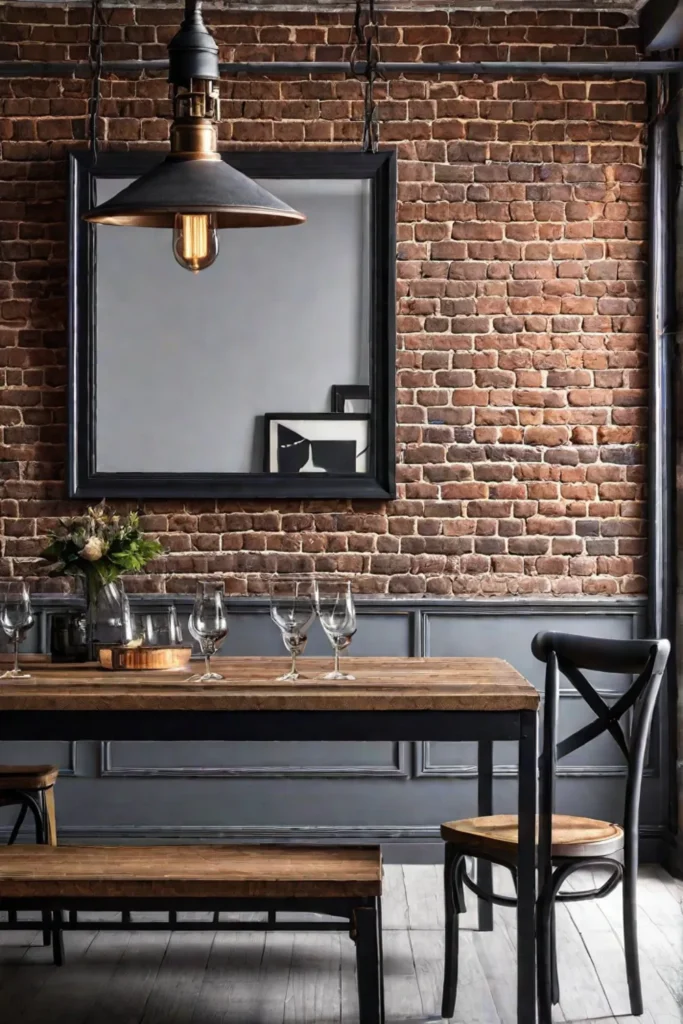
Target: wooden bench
[{"x": 343, "y": 882}]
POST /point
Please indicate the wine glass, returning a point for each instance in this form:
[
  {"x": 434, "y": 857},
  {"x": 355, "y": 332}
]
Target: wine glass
[
  {"x": 16, "y": 618},
  {"x": 161, "y": 628},
  {"x": 292, "y": 610},
  {"x": 209, "y": 624},
  {"x": 337, "y": 614}
]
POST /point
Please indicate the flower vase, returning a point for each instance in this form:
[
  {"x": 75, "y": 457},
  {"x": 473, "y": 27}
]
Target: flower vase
[
  {"x": 92, "y": 595},
  {"x": 103, "y": 616}
]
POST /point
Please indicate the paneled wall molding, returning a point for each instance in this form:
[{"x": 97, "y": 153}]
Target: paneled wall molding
[
  {"x": 266, "y": 833},
  {"x": 425, "y": 768},
  {"x": 399, "y": 605},
  {"x": 425, "y": 840},
  {"x": 398, "y": 769}
]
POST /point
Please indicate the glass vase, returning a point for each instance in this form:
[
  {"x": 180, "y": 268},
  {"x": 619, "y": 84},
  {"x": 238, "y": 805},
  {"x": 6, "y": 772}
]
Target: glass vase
[{"x": 103, "y": 616}]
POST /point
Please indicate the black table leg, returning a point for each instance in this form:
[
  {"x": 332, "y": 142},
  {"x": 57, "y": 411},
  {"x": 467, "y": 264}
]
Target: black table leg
[
  {"x": 526, "y": 883},
  {"x": 369, "y": 967},
  {"x": 485, "y": 807}
]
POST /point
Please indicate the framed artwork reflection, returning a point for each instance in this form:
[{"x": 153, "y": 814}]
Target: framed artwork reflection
[
  {"x": 351, "y": 398},
  {"x": 335, "y": 443}
]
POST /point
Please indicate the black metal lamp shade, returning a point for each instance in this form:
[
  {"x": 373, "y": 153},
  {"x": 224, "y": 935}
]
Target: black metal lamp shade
[{"x": 194, "y": 187}]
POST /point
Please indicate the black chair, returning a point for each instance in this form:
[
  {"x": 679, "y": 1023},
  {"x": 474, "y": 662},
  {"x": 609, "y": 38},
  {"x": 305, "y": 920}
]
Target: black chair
[{"x": 567, "y": 844}]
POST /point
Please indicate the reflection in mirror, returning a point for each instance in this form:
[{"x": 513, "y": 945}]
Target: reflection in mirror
[{"x": 188, "y": 366}]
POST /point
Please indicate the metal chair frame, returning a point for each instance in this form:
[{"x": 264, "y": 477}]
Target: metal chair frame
[{"x": 566, "y": 654}]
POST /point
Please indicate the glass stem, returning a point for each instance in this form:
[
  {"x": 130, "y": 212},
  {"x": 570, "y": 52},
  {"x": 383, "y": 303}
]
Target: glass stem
[
  {"x": 294, "y": 657},
  {"x": 336, "y": 660},
  {"x": 16, "y": 653},
  {"x": 207, "y": 663}
]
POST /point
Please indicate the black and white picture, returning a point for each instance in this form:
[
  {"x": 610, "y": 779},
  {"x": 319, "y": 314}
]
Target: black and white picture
[
  {"x": 316, "y": 443},
  {"x": 351, "y": 398}
]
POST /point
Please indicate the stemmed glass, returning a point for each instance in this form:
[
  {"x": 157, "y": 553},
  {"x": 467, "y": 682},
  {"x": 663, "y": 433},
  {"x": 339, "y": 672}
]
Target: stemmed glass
[
  {"x": 209, "y": 625},
  {"x": 292, "y": 610},
  {"x": 16, "y": 618},
  {"x": 337, "y": 614}
]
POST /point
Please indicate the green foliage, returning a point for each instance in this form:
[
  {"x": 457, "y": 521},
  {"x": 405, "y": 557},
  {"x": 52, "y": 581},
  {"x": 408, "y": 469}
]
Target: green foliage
[{"x": 99, "y": 546}]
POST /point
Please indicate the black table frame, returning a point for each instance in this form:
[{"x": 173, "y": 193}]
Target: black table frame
[{"x": 451, "y": 726}]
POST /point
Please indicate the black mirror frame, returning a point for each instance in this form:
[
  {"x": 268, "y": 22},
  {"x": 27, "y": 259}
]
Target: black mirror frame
[{"x": 380, "y": 481}]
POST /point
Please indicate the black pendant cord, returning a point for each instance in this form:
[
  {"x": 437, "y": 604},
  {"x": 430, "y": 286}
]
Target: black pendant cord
[
  {"x": 365, "y": 58},
  {"x": 97, "y": 25}
]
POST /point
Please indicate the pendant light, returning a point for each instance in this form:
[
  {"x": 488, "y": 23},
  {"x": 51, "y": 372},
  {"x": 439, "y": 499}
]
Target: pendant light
[{"x": 193, "y": 191}]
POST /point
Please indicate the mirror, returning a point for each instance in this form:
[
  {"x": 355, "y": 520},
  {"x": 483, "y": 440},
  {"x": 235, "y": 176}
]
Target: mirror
[{"x": 269, "y": 374}]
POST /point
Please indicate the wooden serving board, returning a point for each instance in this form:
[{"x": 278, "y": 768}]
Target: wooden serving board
[{"x": 144, "y": 659}]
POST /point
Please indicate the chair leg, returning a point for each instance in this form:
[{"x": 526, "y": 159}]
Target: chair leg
[
  {"x": 50, "y": 816},
  {"x": 554, "y": 976},
  {"x": 380, "y": 936},
  {"x": 17, "y": 825},
  {"x": 635, "y": 991},
  {"x": 369, "y": 966},
  {"x": 454, "y": 906},
  {"x": 545, "y": 914},
  {"x": 272, "y": 917},
  {"x": 47, "y": 811},
  {"x": 57, "y": 938},
  {"x": 485, "y": 882},
  {"x": 47, "y": 928}
]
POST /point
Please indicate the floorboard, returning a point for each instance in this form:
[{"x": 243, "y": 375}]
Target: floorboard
[
  {"x": 310, "y": 978},
  {"x": 179, "y": 980}
]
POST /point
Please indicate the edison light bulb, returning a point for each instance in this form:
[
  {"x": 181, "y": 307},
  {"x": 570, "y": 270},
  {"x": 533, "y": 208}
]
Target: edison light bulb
[{"x": 195, "y": 240}]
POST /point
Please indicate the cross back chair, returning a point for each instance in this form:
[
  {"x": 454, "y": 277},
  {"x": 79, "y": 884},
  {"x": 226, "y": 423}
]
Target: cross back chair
[{"x": 567, "y": 844}]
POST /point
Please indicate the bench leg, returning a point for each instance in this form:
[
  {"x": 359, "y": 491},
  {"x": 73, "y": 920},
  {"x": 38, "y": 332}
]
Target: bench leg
[
  {"x": 57, "y": 938},
  {"x": 369, "y": 965},
  {"x": 47, "y": 928}
]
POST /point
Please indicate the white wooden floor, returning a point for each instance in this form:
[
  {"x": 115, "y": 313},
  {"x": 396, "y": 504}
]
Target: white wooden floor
[{"x": 308, "y": 978}]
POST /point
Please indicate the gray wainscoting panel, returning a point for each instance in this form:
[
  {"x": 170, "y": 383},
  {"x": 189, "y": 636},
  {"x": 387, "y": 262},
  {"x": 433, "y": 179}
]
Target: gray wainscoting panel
[
  {"x": 393, "y": 793},
  {"x": 248, "y": 760},
  {"x": 62, "y": 754}
]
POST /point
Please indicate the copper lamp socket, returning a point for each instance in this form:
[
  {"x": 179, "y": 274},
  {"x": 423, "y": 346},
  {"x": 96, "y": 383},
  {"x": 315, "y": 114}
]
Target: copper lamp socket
[{"x": 194, "y": 140}]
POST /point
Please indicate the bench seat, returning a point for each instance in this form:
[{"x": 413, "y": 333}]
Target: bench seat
[
  {"x": 341, "y": 882},
  {"x": 202, "y": 872}
]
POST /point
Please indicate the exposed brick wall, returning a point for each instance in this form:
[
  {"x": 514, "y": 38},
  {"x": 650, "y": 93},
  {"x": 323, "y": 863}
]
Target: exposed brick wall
[{"x": 521, "y": 364}]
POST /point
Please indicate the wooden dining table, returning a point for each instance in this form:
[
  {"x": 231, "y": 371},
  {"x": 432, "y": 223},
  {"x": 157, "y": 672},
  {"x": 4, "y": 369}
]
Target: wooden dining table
[{"x": 414, "y": 699}]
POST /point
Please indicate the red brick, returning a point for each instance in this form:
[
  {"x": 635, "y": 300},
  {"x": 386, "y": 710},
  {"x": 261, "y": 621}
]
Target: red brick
[{"x": 520, "y": 317}]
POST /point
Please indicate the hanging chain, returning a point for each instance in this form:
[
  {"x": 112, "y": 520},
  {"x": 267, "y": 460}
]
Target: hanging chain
[
  {"x": 365, "y": 57},
  {"x": 97, "y": 24}
]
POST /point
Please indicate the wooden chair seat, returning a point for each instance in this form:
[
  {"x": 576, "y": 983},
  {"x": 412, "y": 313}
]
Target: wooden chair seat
[
  {"x": 202, "y": 872},
  {"x": 27, "y": 776},
  {"x": 572, "y": 836}
]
